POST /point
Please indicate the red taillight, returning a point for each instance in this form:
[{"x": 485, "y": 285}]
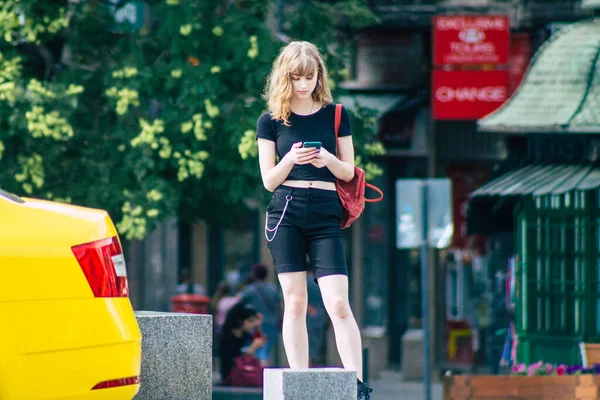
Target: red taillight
[
  {"x": 134, "y": 380},
  {"x": 103, "y": 264}
]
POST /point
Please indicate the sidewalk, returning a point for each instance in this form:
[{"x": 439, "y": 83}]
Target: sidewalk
[{"x": 390, "y": 386}]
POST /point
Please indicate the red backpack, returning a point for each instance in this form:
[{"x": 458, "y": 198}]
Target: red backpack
[
  {"x": 352, "y": 194},
  {"x": 247, "y": 371}
]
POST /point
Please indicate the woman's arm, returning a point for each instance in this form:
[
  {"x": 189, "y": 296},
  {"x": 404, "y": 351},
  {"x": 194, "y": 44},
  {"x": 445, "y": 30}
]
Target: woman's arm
[
  {"x": 342, "y": 167},
  {"x": 273, "y": 174},
  {"x": 255, "y": 345}
]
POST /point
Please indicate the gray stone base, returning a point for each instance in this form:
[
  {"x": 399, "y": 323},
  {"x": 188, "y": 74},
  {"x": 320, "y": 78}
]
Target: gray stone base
[
  {"x": 176, "y": 356},
  {"x": 412, "y": 355},
  {"x": 313, "y": 384},
  {"x": 378, "y": 345},
  {"x": 236, "y": 393}
]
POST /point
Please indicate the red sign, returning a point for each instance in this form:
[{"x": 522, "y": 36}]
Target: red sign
[
  {"x": 470, "y": 40},
  {"x": 468, "y": 95}
]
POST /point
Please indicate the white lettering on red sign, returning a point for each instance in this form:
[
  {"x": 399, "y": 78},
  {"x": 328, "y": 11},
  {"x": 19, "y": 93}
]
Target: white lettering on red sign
[
  {"x": 489, "y": 94},
  {"x": 466, "y": 48},
  {"x": 483, "y": 23}
]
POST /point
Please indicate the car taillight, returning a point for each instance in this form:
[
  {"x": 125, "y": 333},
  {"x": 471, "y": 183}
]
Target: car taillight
[
  {"x": 134, "y": 380},
  {"x": 103, "y": 265}
]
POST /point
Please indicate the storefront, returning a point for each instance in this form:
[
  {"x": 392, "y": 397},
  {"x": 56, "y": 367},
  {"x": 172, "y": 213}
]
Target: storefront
[{"x": 545, "y": 196}]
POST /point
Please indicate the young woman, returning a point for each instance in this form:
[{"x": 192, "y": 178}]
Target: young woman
[
  {"x": 221, "y": 303},
  {"x": 264, "y": 297},
  {"x": 236, "y": 339},
  {"x": 304, "y": 214}
]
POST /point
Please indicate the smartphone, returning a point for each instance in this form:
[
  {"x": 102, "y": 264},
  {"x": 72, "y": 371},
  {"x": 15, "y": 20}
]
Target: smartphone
[
  {"x": 312, "y": 144},
  {"x": 257, "y": 334}
]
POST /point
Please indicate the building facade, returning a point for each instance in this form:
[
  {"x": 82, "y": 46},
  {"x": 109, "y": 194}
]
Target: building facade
[{"x": 547, "y": 198}]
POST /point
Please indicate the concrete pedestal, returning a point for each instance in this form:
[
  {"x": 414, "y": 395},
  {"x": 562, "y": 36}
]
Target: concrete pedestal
[
  {"x": 176, "y": 356},
  {"x": 313, "y": 383},
  {"x": 412, "y": 355},
  {"x": 378, "y": 344}
]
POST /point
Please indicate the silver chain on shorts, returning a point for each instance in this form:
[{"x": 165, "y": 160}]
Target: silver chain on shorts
[{"x": 288, "y": 198}]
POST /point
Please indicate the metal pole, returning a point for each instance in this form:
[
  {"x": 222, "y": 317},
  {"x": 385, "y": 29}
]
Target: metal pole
[
  {"x": 425, "y": 292},
  {"x": 365, "y": 356}
]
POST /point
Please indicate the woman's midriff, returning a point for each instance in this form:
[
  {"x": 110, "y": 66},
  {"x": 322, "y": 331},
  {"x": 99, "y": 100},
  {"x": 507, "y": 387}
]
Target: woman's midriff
[{"x": 310, "y": 184}]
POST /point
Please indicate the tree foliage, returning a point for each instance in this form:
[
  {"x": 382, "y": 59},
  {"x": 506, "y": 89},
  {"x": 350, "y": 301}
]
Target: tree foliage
[{"x": 154, "y": 121}]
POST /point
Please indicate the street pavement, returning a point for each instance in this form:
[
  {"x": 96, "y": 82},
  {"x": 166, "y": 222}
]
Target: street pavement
[{"x": 390, "y": 386}]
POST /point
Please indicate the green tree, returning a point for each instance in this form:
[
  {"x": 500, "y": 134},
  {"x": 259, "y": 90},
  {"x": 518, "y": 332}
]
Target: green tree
[{"x": 154, "y": 121}]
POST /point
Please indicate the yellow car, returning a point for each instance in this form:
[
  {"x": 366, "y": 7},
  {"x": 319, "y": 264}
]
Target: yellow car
[{"x": 67, "y": 328}]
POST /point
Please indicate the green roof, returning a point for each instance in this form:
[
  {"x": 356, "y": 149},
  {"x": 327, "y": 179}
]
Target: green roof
[
  {"x": 491, "y": 207},
  {"x": 590, "y": 4},
  {"x": 561, "y": 91},
  {"x": 541, "y": 179}
]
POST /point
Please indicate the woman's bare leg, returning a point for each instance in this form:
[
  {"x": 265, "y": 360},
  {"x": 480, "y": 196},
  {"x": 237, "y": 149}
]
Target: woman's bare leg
[
  {"x": 334, "y": 289},
  {"x": 295, "y": 335}
]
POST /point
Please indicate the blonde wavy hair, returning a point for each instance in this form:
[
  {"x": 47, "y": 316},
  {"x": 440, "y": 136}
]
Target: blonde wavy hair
[{"x": 297, "y": 58}]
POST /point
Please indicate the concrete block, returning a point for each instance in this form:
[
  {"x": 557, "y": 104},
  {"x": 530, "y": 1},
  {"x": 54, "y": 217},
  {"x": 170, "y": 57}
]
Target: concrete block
[
  {"x": 378, "y": 344},
  {"x": 236, "y": 393},
  {"x": 176, "y": 356},
  {"x": 313, "y": 383},
  {"x": 412, "y": 355}
]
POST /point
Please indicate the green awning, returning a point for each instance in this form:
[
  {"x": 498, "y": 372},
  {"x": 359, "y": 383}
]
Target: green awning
[
  {"x": 561, "y": 90},
  {"x": 490, "y": 208},
  {"x": 572, "y": 182},
  {"x": 535, "y": 180},
  {"x": 539, "y": 180},
  {"x": 590, "y": 4},
  {"x": 591, "y": 181}
]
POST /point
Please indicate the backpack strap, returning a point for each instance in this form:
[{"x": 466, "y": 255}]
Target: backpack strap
[
  {"x": 375, "y": 188},
  {"x": 338, "y": 120}
]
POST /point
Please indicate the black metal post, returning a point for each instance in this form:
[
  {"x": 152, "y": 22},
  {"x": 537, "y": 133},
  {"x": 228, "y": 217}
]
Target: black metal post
[
  {"x": 425, "y": 292},
  {"x": 365, "y": 356}
]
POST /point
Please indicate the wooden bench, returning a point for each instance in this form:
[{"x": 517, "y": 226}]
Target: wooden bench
[{"x": 236, "y": 393}]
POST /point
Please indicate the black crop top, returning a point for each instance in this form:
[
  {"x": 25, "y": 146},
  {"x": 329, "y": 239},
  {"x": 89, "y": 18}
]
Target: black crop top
[{"x": 319, "y": 126}]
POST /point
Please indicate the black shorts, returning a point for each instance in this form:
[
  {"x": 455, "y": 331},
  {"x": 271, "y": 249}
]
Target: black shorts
[{"x": 310, "y": 225}]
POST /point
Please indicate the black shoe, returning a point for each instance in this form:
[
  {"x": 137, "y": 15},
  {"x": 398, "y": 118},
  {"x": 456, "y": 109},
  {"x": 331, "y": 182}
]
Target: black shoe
[{"x": 363, "y": 390}]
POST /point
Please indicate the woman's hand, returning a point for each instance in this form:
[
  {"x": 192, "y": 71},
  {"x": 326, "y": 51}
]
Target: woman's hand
[
  {"x": 300, "y": 155},
  {"x": 257, "y": 343},
  {"x": 322, "y": 159}
]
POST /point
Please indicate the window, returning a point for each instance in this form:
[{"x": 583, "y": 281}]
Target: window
[
  {"x": 552, "y": 273},
  {"x": 557, "y": 275}
]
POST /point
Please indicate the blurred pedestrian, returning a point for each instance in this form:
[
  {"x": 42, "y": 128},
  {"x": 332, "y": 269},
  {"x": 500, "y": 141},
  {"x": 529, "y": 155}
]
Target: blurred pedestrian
[
  {"x": 264, "y": 297},
  {"x": 221, "y": 303},
  {"x": 304, "y": 215},
  {"x": 236, "y": 341},
  {"x": 187, "y": 285},
  {"x": 234, "y": 279}
]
